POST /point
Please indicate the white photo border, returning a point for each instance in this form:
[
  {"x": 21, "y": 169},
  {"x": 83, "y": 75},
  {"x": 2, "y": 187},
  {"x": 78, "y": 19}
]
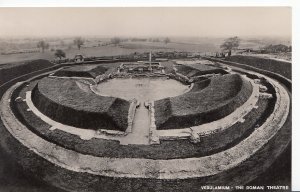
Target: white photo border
[{"x": 295, "y": 4}]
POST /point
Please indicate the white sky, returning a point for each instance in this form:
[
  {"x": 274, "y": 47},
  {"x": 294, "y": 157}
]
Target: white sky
[{"x": 242, "y": 21}]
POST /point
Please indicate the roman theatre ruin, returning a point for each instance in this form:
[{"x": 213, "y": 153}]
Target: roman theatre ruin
[{"x": 168, "y": 125}]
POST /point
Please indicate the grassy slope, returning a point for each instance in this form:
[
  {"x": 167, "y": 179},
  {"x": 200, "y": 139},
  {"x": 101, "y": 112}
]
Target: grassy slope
[
  {"x": 63, "y": 101},
  {"x": 280, "y": 67},
  {"x": 7, "y": 59},
  {"x": 167, "y": 149},
  {"x": 197, "y": 70},
  {"x": 91, "y": 71},
  {"x": 217, "y": 100},
  {"x": 13, "y": 70},
  {"x": 168, "y": 66},
  {"x": 14, "y": 179},
  {"x": 199, "y": 85}
]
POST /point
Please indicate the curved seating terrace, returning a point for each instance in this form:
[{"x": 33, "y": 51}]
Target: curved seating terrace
[
  {"x": 67, "y": 101},
  {"x": 89, "y": 71},
  {"x": 197, "y": 70},
  {"x": 221, "y": 97}
]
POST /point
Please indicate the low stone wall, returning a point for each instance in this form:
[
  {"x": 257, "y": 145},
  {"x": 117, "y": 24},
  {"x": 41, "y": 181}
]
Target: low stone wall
[
  {"x": 131, "y": 114},
  {"x": 179, "y": 77},
  {"x": 153, "y": 136}
]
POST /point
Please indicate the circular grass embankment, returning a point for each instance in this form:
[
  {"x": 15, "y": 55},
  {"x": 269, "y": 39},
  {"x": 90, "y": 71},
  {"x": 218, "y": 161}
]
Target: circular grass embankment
[
  {"x": 110, "y": 148},
  {"x": 201, "y": 84},
  {"x": 42, "y": 168},
  {"x": 72, "y": 181},
  {"x": 13, "y": 70},
  {"x": 68, "y": 102},
  {"x": 220, "y": 98},
  {"x": 87, "y": 71},
  {"x": 198, "y": 70},
  {"x": 83, "y": 181}
]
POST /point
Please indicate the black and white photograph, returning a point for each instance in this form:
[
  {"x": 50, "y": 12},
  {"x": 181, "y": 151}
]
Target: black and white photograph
[{"x": 145, "y": 99}]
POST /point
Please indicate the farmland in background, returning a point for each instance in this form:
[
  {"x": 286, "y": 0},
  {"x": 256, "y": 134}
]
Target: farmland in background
[{"x": 20, "y": 49}]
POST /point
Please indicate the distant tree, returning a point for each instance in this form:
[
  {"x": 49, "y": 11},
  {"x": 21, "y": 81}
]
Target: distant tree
[
  {"x": 167, "y": 40},
  {"x": 276, "y": 48},
  {"x": 60, "y": 53},
  {"x": 155, "y": 40},
  {"x": 42, "y": 45},
  {"x": 115, "y": 40},
  {"x": 230, "y": 44},
  {"x": 78, "y": 41},
  {"x": 62, "y": 43}
]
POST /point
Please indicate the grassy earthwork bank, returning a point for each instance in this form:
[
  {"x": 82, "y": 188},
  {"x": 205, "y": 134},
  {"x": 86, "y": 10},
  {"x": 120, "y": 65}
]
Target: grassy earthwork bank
[
  {"x": 220, "y": 98},
  {"x": 197, "y": 70},
  {"x": 166, "y": 150},
  {"x": 90, "y": 71},
  {"x": 43, "y": 169},
  {"x": 39, "y": 167},
  {"x": 13, "y": 70},
  {"x": 72, "y": 103},
  {"x": 276, "y": 66}
]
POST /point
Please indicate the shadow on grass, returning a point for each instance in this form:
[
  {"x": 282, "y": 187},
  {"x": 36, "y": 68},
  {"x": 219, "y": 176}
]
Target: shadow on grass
[{"x": 13, "y": 179}]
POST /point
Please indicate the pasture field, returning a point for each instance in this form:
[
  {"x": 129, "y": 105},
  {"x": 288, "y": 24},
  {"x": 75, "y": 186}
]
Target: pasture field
[{"x": 102, "y": 47}]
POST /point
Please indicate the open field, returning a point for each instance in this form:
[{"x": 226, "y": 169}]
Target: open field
[
  {"x": 103, "y": 46},
  {"x": 109, "y": 50}
]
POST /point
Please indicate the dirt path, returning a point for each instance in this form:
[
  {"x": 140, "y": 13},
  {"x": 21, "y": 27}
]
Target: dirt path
[{"x": 140, "y": 129}]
